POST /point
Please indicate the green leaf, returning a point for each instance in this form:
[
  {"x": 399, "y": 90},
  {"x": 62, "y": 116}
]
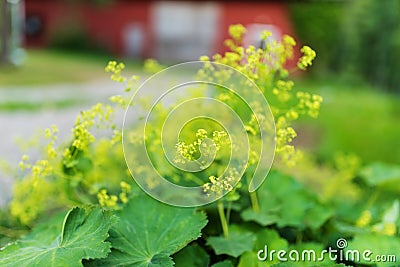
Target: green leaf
[
  {"x": 225, "y": 263},
  {"x": 317, "y": 215},
  {"x": 44, "y": 232},
  {"x": 272, "y": 245},
  {"x": 270, "y": 238},
  {"x": 391, "y": 215},
  {"x": 193, "y": 256},
  {"x": 250, "y": 259},
  {"x": 238, "y": 243},
  {"x": 307, "y": 259},
  {"x": 378, "y": 245},
  {"x": 290, "y": 264},
  {"x": 264, "y": 217},
  {"x": 285, "y": 202},
  {"x": 149, "y": 231},
  {"x": 382, "y": 175},
  {"x": 267, "y": 240},
  {"x": 82, "y": 237}
]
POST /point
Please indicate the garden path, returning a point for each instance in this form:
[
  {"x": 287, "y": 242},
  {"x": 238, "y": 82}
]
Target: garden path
[{"x": 21, "y": 124}]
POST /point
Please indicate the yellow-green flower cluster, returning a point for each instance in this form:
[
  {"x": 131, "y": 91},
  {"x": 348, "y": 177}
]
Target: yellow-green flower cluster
[
  {"x": 218, "y": 185},
  {"x": 99, "y": 115},
  {"x": 152, "y": 66},
  {"x": 386, "y": 226},
  {"x": 266, "y": 67},
  {"x": 364, "y": 219},
  {"x": 29, "y": 202},
  {"x": 106, "y": 200},
  {"x": 200, "y": 135},
  {"x": 220, "y": 139},
  {"x": 111, "y": 201},
  {"x": 31, "y": 194},
  {"x": 192, "y": 150},
  {"x": 186, "y": 151},
  {"x": 237, "y": 31},
  {"x": 116, "y": 137},
  {"x": 307, "y": 58},
  {"x": 285, "y": 134},
  {"x": 125, "y": 190},
  {"x": 289, "y": 43},
  {"x": 51, "y": 133},
  {"x": 121, "y": 101},
  {"x": 309, "y": 104},
  {"x": 265, "y": 35},
  {"x": 39, "y": 170},
  {"x": 389, "y": 229},
  {"x": 283, "y": 90},
  {"x": 23, "y": 164},
  {"x": 116, "y": 69}
]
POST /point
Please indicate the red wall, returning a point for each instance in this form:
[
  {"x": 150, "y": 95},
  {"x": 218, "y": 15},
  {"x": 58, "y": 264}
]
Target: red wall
[{"x": 105, "y": 24}]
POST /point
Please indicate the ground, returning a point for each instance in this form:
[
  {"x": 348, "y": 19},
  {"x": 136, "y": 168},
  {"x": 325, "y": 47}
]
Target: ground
[{"x": 38, "y": 107}]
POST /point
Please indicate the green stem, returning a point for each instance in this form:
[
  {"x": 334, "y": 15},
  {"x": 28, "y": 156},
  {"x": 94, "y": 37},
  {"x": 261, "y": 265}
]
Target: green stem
[
  {"x": 228, "y": 212},
  {"x": 372, "y": 199},
  {"x": 197, "y": 180},
  {"x": 224, "y": 223},
  {"x": 254, "y": 201},
  {"x": 299, "y": 237}
]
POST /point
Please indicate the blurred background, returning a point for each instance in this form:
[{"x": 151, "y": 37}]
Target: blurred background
[{"x": 53, "y": 54}]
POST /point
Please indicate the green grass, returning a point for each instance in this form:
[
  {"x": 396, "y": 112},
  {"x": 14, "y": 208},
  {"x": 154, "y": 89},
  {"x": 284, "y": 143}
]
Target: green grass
[
  {"x": 355, "y": 119},
  {"x": 34, "y": 106},
  {"x": 47, "y": 67}
]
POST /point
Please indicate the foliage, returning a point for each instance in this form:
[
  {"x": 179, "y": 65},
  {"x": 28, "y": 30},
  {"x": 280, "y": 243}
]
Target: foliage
[
  {"x": 146, "y": 234},
  {"x": 335, "y": 131},
  {"x": 314, "y": 23},
  {"x": 82, "y": 236},
  {"x": 346, "y": 33},
  {"x": 289, "y": 204},
  {"x": 294, "y": 208},
  {"x": 192, "y": 256},
  {"x": 239, "y": 242},
  {"x": 137, "y": 238},
  {"x": 372, "y": 28}
]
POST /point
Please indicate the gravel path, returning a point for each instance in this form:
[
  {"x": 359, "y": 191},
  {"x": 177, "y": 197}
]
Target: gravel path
[{"x": 23, "y": 124}]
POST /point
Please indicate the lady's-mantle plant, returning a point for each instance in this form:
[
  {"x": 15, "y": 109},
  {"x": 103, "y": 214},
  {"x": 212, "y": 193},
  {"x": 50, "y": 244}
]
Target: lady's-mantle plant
[{"x": 111, "y": 222}]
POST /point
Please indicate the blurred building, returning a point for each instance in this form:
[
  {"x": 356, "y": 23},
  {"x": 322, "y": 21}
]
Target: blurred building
[
  {"x": 11, "y": 31},
  {"x": 166, "y": 30}
]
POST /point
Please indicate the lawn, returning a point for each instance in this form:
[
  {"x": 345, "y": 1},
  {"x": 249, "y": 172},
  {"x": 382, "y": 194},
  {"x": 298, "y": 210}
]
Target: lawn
[
  {"x": 47, "y": 67},
  {"x": 354, "y": 118}
]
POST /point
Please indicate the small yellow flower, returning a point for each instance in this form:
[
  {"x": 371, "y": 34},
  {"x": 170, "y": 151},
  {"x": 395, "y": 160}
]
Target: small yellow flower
[
  {"x": 389, "y": 229},
  {"x": 264, "y": 35},
  {"x": 289, "y": 40},
  {"x": 307, "y": 58},
  {"x": 364, "y": 219},
  {"x": 47, "y": 133},
  {"x": 204, "y": 58},
  {"x": 237, "y": 31}
]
